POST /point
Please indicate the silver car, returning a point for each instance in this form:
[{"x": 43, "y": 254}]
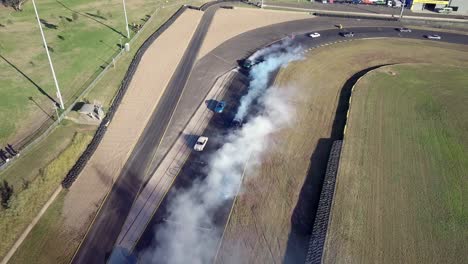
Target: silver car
[
  {"x": 433, "y": 36},
  {"x": 201, "y": 143}
]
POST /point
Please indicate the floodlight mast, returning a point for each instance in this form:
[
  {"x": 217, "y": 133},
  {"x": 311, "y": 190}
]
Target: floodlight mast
[
  {"x": 126, "y": 20},
  {"x": 59, "y": 95},
  {"x": 402, "y": 8}
]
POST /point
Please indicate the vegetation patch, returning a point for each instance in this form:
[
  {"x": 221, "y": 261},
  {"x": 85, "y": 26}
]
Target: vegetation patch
[{"x": 23, "y": 206}]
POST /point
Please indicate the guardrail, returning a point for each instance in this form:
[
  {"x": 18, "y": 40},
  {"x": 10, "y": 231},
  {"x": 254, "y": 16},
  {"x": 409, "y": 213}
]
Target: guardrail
[{"x": 91, "y": 148}]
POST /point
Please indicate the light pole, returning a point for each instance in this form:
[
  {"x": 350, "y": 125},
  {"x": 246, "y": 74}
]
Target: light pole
[
  {"x": 261, "y": 5},
  {"x": 59, "y": 95},
  {"x": 402, "y": 8},
  {"x": 126, "y": 20}
]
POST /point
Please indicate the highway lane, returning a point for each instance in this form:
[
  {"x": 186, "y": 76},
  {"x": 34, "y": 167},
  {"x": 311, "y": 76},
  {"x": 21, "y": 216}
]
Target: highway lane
[
  {"x": 99, "y": 241},
  {"x": 193, "y": 169}
]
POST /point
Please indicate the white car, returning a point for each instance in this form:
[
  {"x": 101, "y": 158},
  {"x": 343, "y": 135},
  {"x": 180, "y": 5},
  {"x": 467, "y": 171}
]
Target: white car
[
  {"x": 433, "y": 36},
  {"x": 201, "y": 143},
  {"x": 314, "y": 35}
]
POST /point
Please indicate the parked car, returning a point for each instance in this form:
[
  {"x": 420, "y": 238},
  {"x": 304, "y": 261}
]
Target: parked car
[
  {"x": 347, "y": 34},
  {"x": 433, "y": 36},
  {"x": 220, "y": 107},
  {"x": 402, "y": 29},
  {"x": 201, "y": 143},
  {"x": 314, "y": 35}
]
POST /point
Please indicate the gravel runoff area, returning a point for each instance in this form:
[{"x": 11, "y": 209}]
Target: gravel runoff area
[
  {"x": 273, "y": 216},
  {"x": 147, "y": 86},
  {"x": 245, "y": 19}
]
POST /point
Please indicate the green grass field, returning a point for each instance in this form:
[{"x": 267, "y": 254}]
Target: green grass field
[
  {"x": 82, "y": 35},
  {"x": 401, "y": 194}
]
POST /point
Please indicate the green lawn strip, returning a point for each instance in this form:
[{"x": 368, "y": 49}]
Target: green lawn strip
[
  {"x": 25, "y": 205},
  {"x": 45, "y": 229},
  {"x": 80, "y": 47}
]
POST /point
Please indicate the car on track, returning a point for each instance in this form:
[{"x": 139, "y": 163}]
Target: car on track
[
  {"x": 201, "y": 143},
  {"x": 220, "y": 107},
  {"x": 403, "y": 29},
  {"x": 433, "y": 36},
  {"x": 236, "y": 123},
  {"x": 348, "y": 34},
  {"x": 314, "y": 35}
]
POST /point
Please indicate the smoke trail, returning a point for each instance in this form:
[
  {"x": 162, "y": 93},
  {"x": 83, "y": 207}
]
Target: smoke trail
[
  {"x": 276, "y": 56},
  {"x": 188, "y": 235}
]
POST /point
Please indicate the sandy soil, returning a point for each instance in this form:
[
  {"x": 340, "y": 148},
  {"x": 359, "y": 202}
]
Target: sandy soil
[
  {"x": 240, "y": 20},
  {"x": 146, "y": 88},
  {"x": 272, "y": 219}
]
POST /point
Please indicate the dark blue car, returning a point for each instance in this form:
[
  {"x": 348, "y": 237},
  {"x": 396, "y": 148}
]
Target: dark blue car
[{"x": 220, "y": 107}]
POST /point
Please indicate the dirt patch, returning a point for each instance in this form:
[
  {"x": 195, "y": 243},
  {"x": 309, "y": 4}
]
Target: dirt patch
[
  {"x": 147, "y": 86},
  {"x": 240, "y": 20}
]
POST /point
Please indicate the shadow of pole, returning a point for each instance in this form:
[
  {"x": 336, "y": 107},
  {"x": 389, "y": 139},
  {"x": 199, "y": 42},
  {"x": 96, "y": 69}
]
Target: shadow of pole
[
  {"x": 304, "y": 214},
  {"x": 30, "y": 80},
  {"x": 92, "y": 18},
  {"x": 42, "y": 109}
]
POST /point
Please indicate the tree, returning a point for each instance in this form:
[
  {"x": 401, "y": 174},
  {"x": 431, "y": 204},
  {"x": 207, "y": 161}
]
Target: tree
[
  {"x": 16, "y": 4},
  {"x": 6, "y": 191}
]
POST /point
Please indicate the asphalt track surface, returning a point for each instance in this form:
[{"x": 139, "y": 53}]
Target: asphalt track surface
[
  {"x": 185, "y": 93},
  {"x": 99, "y": 241},
  {"x": 220, "y": 125}
]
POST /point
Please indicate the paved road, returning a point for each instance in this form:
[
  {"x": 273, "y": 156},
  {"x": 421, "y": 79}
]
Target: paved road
[
  {"x": 362, "y": 8},
  {"x": 99, "y": 242},
  {"x": 194, "y": 168}
]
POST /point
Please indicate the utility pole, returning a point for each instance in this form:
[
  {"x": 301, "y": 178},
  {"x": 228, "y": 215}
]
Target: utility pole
[
  {"x": 126, "y": 20},
  {"x": 402, "y": 8},
  {"x": 59, "y": 95},
  {"x": 261, "y": 5}
]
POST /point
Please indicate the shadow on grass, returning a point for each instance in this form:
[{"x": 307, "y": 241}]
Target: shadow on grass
[
  {"x": 30, "y": 80},
  {"x": 92, "y": 18},
  {"x": 303, "y": 216}
]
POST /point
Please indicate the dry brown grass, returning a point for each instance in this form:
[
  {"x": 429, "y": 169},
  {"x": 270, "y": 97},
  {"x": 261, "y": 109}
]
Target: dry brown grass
[
  {"x": 260, "y": 225},
  {"x": 399, "y": 194}
]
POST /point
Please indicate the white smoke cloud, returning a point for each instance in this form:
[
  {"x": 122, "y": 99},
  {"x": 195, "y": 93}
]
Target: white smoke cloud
[
  {"x": 274, "y": 57},
  {"x": 188, "y": 234}
]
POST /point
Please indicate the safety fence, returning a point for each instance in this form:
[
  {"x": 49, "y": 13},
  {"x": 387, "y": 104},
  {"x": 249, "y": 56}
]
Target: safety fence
[
  {"x": 326, "y": 14},
  {"x": 319, "y": 231},
  {"x": 91, "y": 148}
]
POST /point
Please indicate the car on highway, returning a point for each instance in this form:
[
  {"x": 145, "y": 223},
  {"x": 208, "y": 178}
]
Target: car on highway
[
  {"x": 220, "y": 107},
  {"x": 314, "y": 35},
  {"x": 349, "y": 34},
  {"x": 433, "y": 36},
  {"x": 201, "y": 143},
  {"x": 403, "y": 29}
]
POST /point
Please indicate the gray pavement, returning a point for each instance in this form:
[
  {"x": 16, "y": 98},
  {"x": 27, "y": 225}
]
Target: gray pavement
[{"x": 362, "y": 8}]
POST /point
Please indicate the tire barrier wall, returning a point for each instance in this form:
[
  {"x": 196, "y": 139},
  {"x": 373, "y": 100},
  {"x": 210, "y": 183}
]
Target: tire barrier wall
[
  {"x": 354, "y": 16},
  {"x": 319, "y": 231},
  {"x": 91, "y": 148},
  {"x": 209, "y": 4}
]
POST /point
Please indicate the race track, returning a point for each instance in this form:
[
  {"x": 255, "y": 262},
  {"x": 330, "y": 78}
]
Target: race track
[{"x": 184, "y": 95}]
